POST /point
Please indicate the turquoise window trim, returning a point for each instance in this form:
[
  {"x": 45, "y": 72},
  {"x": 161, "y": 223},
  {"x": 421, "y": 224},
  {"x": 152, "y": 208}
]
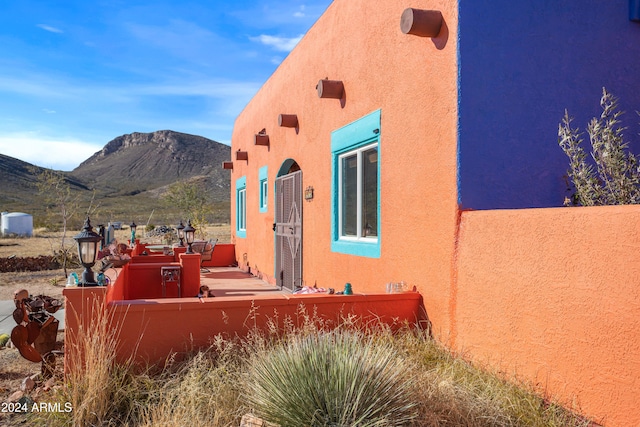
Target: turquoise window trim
[
  {"x": 264, "y": 189},
  {"x": 362, "y": 132},
  {"x": 241, "y": 205},
  {"x": 357, "y": 133}
]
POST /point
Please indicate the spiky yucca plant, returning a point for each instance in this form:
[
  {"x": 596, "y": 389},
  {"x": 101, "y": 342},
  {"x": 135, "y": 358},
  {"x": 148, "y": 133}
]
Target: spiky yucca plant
[
  {"x": 339, "y": 378},
  {"x": 615, "y": 180}
]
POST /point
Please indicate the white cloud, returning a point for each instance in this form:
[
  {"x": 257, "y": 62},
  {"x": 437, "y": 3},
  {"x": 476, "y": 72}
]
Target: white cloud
[
  {"x": 284, "y": 44},
  {"x": 50, "y": 28},
  {"x": 300, "y": 13},
  {"x": 47, "y": 152},
  {"x": 47, "y": 88}
]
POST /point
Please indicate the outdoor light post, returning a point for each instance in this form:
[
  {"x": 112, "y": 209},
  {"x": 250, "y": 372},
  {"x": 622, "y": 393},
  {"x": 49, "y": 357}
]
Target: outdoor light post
[
  {"x": 87, "y": 241},
  {"x": 189, "y": 235},
  {"x": 133, "y": 233},
  {"x": 180, "y": 229}
]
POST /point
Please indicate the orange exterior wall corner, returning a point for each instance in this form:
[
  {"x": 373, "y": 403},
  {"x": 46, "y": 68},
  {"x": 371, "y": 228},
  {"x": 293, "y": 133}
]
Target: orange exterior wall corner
[
  {"x": 549, "y": 293},
  {"x": 413, "y": 82}
]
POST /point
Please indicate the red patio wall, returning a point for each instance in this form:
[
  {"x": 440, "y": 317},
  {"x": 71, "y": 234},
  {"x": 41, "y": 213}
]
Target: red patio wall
[
  {"x": 224, "y": 255},
  {"x": 157, "y": 328},
  {"x": 154, "y": 329},
  {"x": 145, "y": 281},
  {"x": 553, "y": 295}
]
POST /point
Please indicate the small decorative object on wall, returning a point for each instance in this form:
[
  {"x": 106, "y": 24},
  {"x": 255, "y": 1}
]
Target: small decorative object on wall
[
  {"x": 330, "y": 89},
  {"x": 422, "y": 23},
  {"x": 261, "y": 138},
  {"x": 288, "y": 120},
  {"x": 308, "y": 193},
  {"x": 242, "y": 155}
]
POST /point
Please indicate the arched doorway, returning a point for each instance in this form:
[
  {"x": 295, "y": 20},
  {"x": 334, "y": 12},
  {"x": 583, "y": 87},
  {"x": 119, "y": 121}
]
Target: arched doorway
[{"x": 288, "y": 218}]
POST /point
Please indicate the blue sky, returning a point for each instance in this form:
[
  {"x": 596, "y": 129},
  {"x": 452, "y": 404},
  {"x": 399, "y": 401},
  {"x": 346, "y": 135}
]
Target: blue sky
[{"x": 76, "y": 74}]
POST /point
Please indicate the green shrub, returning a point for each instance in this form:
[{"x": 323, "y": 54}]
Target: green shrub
[
  {"x": 615, "y": 180},
  {"x": 339, "y": 378}
]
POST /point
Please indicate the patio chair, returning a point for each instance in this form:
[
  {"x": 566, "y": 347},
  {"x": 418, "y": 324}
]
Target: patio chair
[{"x": 205, "y": 249}]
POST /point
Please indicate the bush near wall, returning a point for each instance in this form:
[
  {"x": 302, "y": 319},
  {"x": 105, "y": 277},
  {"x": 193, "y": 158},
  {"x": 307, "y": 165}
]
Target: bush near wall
[{"x": 39, "y": 263}]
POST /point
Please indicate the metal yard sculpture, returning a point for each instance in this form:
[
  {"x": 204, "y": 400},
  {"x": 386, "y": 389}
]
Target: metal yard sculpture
[{"x": 37, "y": 328}]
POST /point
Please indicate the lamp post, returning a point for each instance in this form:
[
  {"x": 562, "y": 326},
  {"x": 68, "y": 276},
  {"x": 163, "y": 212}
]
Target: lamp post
[
  {"x": 189, "y": 235},
  {"x": 180, "y": 229},
  {"x": 133, "y": 233},
  {"x": 87, "y": 241}
]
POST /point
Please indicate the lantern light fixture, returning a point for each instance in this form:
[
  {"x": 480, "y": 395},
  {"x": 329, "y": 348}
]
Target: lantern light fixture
[
  {"x": 180, "y": 230},
  {"x": 189, "y": 235},
  {"x": 87, "y": 241}
]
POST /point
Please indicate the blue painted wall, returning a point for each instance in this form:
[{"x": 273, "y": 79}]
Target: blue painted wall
[{"x": 521, "y": 65}]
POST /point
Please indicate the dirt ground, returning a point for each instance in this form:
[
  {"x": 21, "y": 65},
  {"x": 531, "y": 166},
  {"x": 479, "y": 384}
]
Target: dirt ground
[
  {"x": 50, "y": 283},
  {"x": 14, "y": 369}
]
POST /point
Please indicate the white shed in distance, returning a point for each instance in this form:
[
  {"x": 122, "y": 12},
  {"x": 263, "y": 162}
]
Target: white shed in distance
[{"x": 16, "y": 223}]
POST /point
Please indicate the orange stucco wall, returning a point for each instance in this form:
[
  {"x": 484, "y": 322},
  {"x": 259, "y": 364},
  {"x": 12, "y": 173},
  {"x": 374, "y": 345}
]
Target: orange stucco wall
[
  {"x": 362, "y": 45},
  {"x": 554, "y": 295},
  {"x": 548, "y": 294}
]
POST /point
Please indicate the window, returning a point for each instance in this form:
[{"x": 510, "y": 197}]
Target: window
[
  {"x": 264, "y": 188},
  {"x": 358, "y": 198},
  {"x": 241, "y": 207},
  {"x": 356, "y": 202}
]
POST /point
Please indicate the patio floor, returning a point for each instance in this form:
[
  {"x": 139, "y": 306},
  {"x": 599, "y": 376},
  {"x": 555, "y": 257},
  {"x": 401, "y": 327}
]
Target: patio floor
[{"x": 233, "y": 282}]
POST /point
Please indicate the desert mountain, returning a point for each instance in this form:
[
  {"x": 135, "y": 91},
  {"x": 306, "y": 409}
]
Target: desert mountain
[
  {"x": 138, "y": 162},
  {"x": 129, "y": 175},
  {"x": 19, "y": 182}
]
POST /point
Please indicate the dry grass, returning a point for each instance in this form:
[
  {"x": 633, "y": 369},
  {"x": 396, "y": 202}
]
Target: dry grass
[
  {"x": 211, "y": 387},
  {"x": 206, "y": 390},
  {"x": 455, "y": 392},
  {"x": 94, "y": 381}
]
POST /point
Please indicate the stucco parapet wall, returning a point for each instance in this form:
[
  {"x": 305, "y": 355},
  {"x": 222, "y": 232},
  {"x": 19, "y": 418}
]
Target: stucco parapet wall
[
  {"x": 155, "y": 329},
  {"x": 573, "y": 210},
  {"x": 275, "y": 300}
]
